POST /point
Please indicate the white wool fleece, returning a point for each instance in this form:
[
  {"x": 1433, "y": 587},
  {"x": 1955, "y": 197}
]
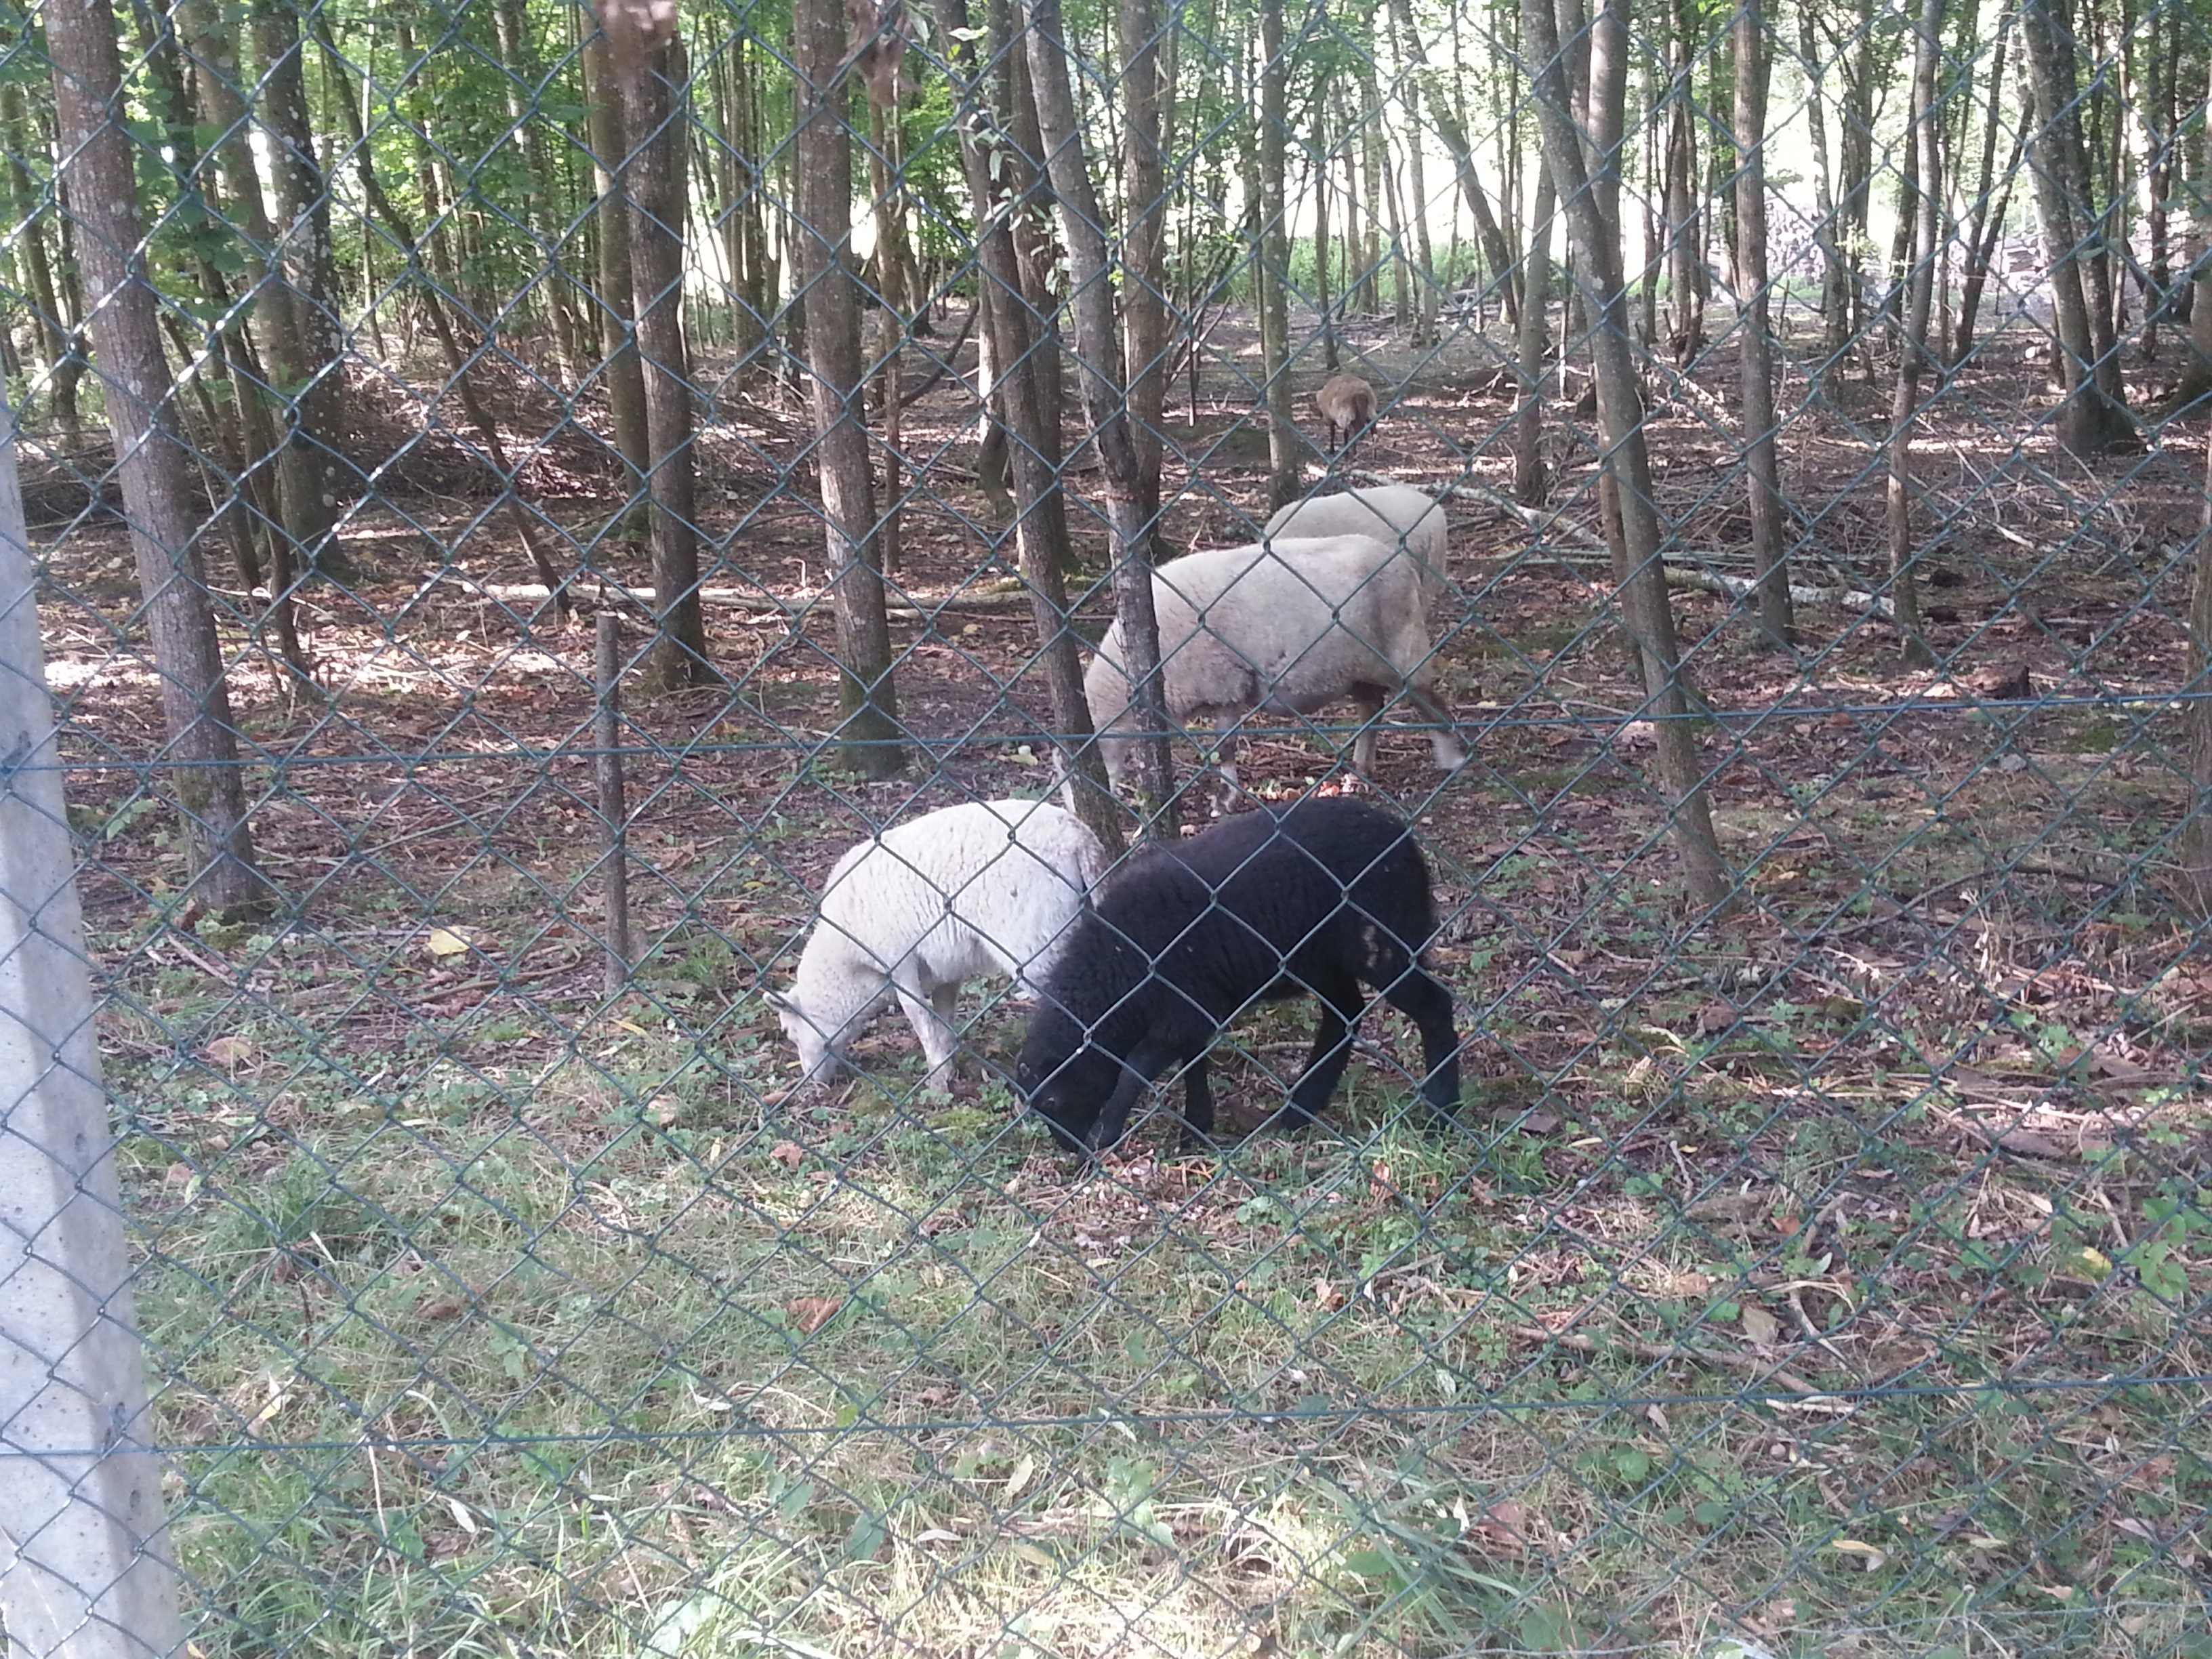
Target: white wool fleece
[
  {"x": 1394, "y": 514},
  {"x": 984, "y": 888}
]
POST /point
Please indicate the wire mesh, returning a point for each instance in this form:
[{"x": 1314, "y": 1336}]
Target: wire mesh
[{"x": 1821, "y": 1269}]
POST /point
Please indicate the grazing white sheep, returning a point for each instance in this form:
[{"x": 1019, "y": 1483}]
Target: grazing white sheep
[
  {"x": 1290, "y": 627},
  {"x": 982, "y": 888},
  {"x": 1394, "y": 514}
]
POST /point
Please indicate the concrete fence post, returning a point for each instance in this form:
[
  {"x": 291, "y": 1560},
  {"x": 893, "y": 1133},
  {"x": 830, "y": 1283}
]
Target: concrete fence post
[{"x": 84, "y": 1567}]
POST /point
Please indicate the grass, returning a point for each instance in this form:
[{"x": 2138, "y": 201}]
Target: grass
[{"x": 508, "y": 1359}]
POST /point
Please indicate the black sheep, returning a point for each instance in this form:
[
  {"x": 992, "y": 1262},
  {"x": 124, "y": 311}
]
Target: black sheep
[{"x": 1263, "y": 907}]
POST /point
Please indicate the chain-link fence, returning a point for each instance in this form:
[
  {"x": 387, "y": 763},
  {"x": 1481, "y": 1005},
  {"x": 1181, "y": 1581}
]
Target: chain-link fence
[{"x": 514, "y": 502}]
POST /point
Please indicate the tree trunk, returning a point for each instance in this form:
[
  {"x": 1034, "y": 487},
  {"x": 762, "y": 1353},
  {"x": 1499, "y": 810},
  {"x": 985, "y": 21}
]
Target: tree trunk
[
  {"x": 1706, "y": 878},
  {"x": 1684, "y": 199},
  {"x": 1284, "y": 442},
  {"x": 1144, "y": 289},
  {"x": 55, "y": 327},
  {"x": 276, "y": 306},
  {"x": 1407, "y": 50},
  {"x": 96, "y": 148},
  {"x": 2091, "y": 420},
  {"x": 868, "y": 737},
  {"x": 1835, "y": 289},
  {"x": 1453, "y": 132},
  {"x": 1920, "y": 282},
  {"x": 302, "y": 247},
  {"x": 1987, "y": 221},
  {"x": 1098, "y": 354},
  {"x": 2196, "y": 833},
  {"x": 1531, "y": 485},
  {"x": 1755, "y": 365},
  {"x": 653, "y": 181},
  {"x": 616, "y": 308},
  {"x": 1040, "y": 521}
]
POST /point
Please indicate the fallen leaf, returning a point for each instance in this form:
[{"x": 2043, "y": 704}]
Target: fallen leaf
[
  {"x": 812, "y": 1313},
  {"x": 789, "y": 1153},
  {"x": 1760, "y": 1326},
  {"x": 230, "y": 1051},
  {"x": 1873, "y": 1556},
  {"x": 444, "y": 942},
  {"x": 446, "y": 1307}
]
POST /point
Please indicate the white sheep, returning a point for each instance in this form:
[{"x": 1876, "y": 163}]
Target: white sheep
[
  {"x": 1396, "y": 515},
  {"x": 982, "y": 888},
  {"x": 1289, "y": 627}
]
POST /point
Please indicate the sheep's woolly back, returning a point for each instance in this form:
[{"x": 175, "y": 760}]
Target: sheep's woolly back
[
  {"x": 982, "y": 887},
  {"x": 1394, "y": 514},
  {"x": 1292, "y": 624}
]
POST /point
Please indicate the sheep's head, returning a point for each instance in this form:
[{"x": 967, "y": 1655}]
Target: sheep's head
[
  {"x": 1066, "y": 1085},
  {"x": 816, "y": 1060}
]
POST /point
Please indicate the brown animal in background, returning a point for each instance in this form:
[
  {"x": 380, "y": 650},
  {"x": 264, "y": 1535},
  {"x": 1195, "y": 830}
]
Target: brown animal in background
[{"x": 1347, "y": 410}]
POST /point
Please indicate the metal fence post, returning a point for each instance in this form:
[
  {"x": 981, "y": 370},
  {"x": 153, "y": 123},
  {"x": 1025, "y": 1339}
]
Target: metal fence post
[{"x": 83, "y": 1564}]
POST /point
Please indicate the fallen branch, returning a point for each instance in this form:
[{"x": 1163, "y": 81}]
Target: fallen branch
[
  {"x": 1663, "y": 1351},
  {"x": 1736, "y": 587}
]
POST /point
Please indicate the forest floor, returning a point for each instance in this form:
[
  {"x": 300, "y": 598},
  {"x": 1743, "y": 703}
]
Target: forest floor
[{"x": 1807, "y": 1277}]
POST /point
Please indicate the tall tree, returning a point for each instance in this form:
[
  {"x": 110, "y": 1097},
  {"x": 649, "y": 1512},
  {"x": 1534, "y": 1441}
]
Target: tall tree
[
  {"x": 1620, "y": 413},
  {"x": 277, "y": 307},
  {"x": 1040, "y": 517},
  {"x": 1925, "y": 135},
  {"x": 1272, "y": 253},
  {"x": 96, "y": 149},
  {"x": 2092, "y": 419},
  {"x": 1755, "y": 334},
  {"x": 657, "y": 127},
  {"x": 869, "y": 735},
  {"x": 616, "y": 308},
  {"x": 1144, "y": 247},
  {"x": 1105, "y": 395}
]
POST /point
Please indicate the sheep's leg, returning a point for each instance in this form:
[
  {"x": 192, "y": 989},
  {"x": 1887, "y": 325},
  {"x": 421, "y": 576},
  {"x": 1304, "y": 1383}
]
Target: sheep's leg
[
  {"x": 1340, "y": 1004},
  {"x": 1428, "y": 1005},
  {"x": 1148, "y": 1060},
  {"x": 929, "y": 1011},
  {"x": 1197, "y": 1105},
  {"x": 1371, "y": 703},
  {"x": 1450, "y": 753},
  {"x": 1227, "y": 792}
]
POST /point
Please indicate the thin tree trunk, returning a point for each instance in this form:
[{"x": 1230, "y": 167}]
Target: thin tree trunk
[
  {"x": 1040, "y": 521},
  {"x": 96, "y": 149},
  {"x": 1099, "y": 353},
  {"x": 1755, "y": 362},
  {"x": 2091, "y": 420},
  {"x": 53, "y": 326},
  {"x": 1284, "y": 442},
  {"x": 653, "y": 180},
  {"x": 616, "y": 305},
  {"x": 1905, "y": 407},
  {"x": 1835, "y": 287},
  {"x": 2196, "y": 833},
  {"x": 302, "y": 247},
  {"x": 1407, "y": 56},
  {"x": 276, "y": 306},
  {"x": 1531, "y": 485},
  {"x": 1144, "y": 289},
  {"x": 1987, "y": 216},
  {"x": 869, "y": 735},
  {"x": 1706, "y": 878}
]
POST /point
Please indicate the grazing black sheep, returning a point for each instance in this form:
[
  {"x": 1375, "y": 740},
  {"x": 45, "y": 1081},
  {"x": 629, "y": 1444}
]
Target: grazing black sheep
[{"x": 1264, "y": 906}]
